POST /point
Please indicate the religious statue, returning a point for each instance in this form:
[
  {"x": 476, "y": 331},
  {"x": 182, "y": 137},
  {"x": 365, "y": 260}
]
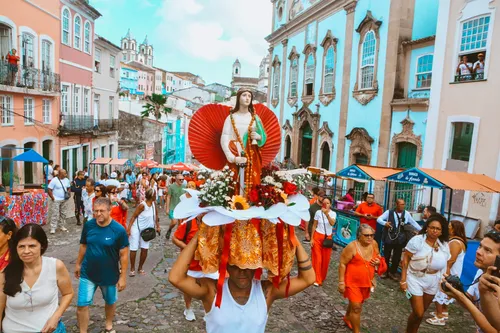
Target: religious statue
[{"x": 242, "y": 137}]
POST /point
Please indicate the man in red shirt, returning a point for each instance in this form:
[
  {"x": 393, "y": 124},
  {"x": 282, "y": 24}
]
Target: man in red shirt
[
  {"x": 182, "y": 236},
  {"x": 369, "y": 211}
]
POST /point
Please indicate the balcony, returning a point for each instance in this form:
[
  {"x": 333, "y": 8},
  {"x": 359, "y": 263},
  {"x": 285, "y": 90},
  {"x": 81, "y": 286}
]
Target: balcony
[
  {"x": 20, "y": 78},
  {"x": 105, "y": 125},
  {"x": 469, "y": 77},
  {"x": 75, "y": 124}
]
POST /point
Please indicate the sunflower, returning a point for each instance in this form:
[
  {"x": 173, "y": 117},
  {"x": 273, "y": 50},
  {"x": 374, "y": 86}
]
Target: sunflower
[{"x": 239, "y": 203}]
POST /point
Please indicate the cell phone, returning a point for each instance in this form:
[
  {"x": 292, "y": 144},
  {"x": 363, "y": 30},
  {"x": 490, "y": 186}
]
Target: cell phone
[
  {"x": 408, "y": 294},
  {"x": 497, "y": 265}
]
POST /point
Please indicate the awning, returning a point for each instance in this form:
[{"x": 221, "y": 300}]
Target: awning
[
  {"x": 180, "y": 167},
  {"x": 30, "y": 156},
  {"x": 447, "y": 179},
  {"x": 367, "y": 172},
  {"x": 118, "y": 161},
  {"x": 101, "y": 160}
]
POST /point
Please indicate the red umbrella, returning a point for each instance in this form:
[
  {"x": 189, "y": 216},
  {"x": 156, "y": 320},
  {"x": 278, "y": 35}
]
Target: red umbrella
[
  {"x": 146, "y": 164},
  {"x": 180, "y": 167}
]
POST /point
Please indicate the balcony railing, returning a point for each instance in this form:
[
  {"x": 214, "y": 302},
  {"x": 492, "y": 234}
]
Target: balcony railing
[
  {"x": 105, "y": 125},
  {"x": 29, "y": 77},
  {"x": 75, "y": 123},
  {"x": 469, "y": 77}
]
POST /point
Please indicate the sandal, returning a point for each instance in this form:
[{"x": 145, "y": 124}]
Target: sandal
[
  {"x": 142, "y": 272},
  {"x": 131, "y": 274},
  {"x": 347, "y": 322},
  {"x": 109, "y": 331},
  {"x": 436, "y": 321},
  {"x": 445, "y": 315}
]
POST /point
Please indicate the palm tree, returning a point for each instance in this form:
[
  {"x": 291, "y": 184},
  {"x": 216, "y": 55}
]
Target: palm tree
[{"x": 155, "y": 106}]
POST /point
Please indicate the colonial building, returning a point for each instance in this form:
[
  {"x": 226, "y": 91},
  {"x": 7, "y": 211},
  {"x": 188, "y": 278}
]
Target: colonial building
[
  {"x": 349, "y": 80},
  {"x": 29, "y": 97},
  {"x": 132, "y": 51},
  {"x": 462, "y": 122},
  {"x": 105, "y": 90},
  {"x": 259, "y": 83}
]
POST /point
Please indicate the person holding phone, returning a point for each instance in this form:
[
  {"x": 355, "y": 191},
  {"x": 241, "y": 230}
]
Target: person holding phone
[
  {"x": 324, "y": 219},
  {"x": 424, "y": 263}
]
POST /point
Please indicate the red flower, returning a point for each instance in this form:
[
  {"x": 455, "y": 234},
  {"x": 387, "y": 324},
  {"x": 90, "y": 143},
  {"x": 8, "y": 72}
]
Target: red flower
[
  {"x": 253, "y": 195},
  {"x": 289, "y": 188}
]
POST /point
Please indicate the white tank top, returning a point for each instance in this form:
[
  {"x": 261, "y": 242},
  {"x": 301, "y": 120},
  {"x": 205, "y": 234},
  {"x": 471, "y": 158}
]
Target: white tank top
[
  {"x": 232, "y": 317},
  {"x": 457, "y": 267},
  {"x": 146, "y": 218},
  {"x": 29, "y": 310}
]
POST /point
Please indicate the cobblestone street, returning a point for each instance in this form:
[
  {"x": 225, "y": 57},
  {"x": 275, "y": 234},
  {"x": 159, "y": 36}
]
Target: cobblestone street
[{"x": 151, "y": 304}]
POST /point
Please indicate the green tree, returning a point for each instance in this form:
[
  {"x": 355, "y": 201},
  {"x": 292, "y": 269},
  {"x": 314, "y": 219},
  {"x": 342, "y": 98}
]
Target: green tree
[{"x": 155, "y": 106}]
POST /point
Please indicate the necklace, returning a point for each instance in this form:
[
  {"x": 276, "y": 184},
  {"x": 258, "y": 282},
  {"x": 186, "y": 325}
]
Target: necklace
[{"x": 248, "y": 170}]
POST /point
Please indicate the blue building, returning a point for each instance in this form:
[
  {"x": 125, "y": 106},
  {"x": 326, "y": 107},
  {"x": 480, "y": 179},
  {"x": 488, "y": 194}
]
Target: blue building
[
  {"x": 350, "y": 80},
  {"x": 128, "y": 79}
]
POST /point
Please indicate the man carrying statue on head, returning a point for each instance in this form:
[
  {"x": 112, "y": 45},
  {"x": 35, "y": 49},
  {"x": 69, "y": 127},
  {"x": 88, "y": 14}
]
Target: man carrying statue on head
[{"x": 254, "y": 231}]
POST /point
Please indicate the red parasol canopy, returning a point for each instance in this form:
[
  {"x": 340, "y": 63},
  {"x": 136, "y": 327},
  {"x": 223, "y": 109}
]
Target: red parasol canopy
[
  {"x": 146, "y": 164},
  {"x": 180, "y": 167}
]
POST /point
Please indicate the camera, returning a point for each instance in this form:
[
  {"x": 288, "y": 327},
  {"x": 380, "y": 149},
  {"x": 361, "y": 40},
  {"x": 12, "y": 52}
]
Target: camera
[{"x": 455, "y": 282}]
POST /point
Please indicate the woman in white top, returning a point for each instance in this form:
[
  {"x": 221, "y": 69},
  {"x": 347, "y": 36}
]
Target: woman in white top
[
  {"x": 424, "y": 263},
  {"x": 145, "y": 216},
  {"x": 30, "y": 286},
  {"x": 245, "y": 301},
  {"x": 458, "y": 247},
  {"x": 322, "y": 229},
  {"x": 88, "y": 195}
]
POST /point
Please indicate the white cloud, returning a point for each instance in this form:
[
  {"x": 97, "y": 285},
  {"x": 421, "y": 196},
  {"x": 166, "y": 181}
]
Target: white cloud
[{"x": 216, "y": 29}]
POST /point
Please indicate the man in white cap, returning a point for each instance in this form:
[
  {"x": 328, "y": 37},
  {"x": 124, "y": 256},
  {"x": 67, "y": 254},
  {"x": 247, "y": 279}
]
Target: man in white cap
[{"x": 112, "y": 180}]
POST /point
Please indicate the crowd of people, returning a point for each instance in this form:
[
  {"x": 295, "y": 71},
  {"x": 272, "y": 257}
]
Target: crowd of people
[{"x": 37, "y": 290}]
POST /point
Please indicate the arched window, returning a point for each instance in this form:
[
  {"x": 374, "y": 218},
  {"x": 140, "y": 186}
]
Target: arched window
[
  {"x": 87, "y": 37},
  {"x": 77, "y": 43},
  {"x": 368, "y": 60},
  {"x": 424, "y": 71},
  {"x": 309, "y": 75},
  {"x": 328, "y": 71},
  {"x": 294, "y": 76},
  {"x": 66, "y": 26}
]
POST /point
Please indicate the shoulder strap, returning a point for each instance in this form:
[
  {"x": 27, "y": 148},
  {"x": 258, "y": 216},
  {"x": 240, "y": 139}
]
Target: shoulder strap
[
  {"x": 188, "y": 229},
  {"x": 64, "y": 188}
]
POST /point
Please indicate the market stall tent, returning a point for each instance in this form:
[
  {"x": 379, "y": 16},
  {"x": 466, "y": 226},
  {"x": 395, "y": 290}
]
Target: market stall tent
[{"x": 28, "y": 156}]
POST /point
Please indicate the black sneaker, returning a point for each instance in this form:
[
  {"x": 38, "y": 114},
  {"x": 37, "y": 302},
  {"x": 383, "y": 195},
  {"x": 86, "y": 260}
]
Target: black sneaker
[
  {"x": 307, "y": 241},
  {"x": 167, "y": 236}
]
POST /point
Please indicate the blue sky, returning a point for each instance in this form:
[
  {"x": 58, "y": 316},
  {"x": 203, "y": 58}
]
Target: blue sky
[{"x": 199, "y": 36}]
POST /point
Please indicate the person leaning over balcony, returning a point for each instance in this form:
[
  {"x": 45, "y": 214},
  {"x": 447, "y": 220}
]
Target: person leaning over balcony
[
  {"x": 463, "y": 67},
  {"x": 59, "y": 189},
  {"x": 479, "y": 64},
  {"x": 13, "y": 59}
]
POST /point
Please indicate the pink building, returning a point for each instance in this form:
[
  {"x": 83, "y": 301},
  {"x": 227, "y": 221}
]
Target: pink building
[
  {"x": 77, "y": 62},
  {"x": 29, "y": 92},
  {"x": 146, "y": 78}
]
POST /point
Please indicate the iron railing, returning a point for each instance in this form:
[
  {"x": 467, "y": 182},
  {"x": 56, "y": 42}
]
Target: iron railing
[
  {"x": 29, "y": 77},
  {"x": 469, "y": 77},
  {"x": 106, "y": 125},
  {"x": 76, "y": 123}
]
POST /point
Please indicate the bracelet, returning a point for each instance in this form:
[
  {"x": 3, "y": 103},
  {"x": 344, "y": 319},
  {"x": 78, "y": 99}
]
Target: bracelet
[
  {"x": 302, "y": 261},
  {"x": 341, "y": 282},
  {"x": 403, "y": 282},
  {"x": 305, "y": 268}
]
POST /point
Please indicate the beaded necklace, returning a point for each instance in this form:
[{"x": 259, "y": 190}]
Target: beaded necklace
[{"x": 248, "y": 171}]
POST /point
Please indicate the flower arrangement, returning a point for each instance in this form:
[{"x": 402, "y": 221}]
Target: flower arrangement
[{"x": 218, "y": 189}]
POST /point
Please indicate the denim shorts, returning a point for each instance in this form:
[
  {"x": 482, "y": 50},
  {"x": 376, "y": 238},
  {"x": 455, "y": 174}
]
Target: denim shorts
[{"x": 86, "y": 291}]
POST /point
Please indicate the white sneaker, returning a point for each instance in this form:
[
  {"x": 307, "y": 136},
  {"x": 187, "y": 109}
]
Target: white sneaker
[
  {"x": 316, "y": 285},
  {"x": 52, "y": 231},
  {"x": 189, "y": 314},
  {"x": 64, "y": 229}
]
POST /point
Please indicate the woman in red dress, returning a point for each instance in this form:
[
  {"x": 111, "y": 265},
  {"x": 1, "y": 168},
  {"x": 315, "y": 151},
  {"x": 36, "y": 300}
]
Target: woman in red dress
[{"x": 8, "y": 229}]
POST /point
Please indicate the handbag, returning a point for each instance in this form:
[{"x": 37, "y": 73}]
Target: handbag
[
  {"x": 148, "y": 234},
  {"x": 327, "y": 243},
  {"x": 66, "y": 194}
]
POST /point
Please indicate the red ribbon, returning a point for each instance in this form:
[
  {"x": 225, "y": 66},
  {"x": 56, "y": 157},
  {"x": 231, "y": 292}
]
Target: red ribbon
[
  {"x": 223, "y": 263},
  {"x": 279, "y": 236},
  {"x": 256, "y": 224},
  {"x": 291, "y": 235}
]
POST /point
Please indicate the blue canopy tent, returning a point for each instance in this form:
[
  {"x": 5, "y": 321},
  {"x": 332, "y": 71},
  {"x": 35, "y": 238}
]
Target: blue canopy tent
[{"x": 28, "y": 156}]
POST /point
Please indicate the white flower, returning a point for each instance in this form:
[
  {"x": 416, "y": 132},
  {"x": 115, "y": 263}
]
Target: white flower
[
  {"x": 227, "y": 198},
  {"x": 226, "y": 167},
  {"x": 269, "y": 180},
  {"x": 231, "y": 174},
  {"x": 279, "y": 185}
]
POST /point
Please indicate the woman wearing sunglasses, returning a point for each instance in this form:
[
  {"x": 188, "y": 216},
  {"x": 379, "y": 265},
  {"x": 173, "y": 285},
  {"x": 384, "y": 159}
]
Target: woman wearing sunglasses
[
  {"x": 358, "y": 262},
  {"x": 31, "y": 284},
  {"x": 424, "y": 263}
]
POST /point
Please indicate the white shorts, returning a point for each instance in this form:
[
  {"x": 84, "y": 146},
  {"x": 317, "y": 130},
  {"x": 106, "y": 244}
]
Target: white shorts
[
  {"x": 428, "y": 283},
  {"x": 200, "y": 274},
  {"x": 160, "y": 192},
  {"x": 136, "y": 240}
]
